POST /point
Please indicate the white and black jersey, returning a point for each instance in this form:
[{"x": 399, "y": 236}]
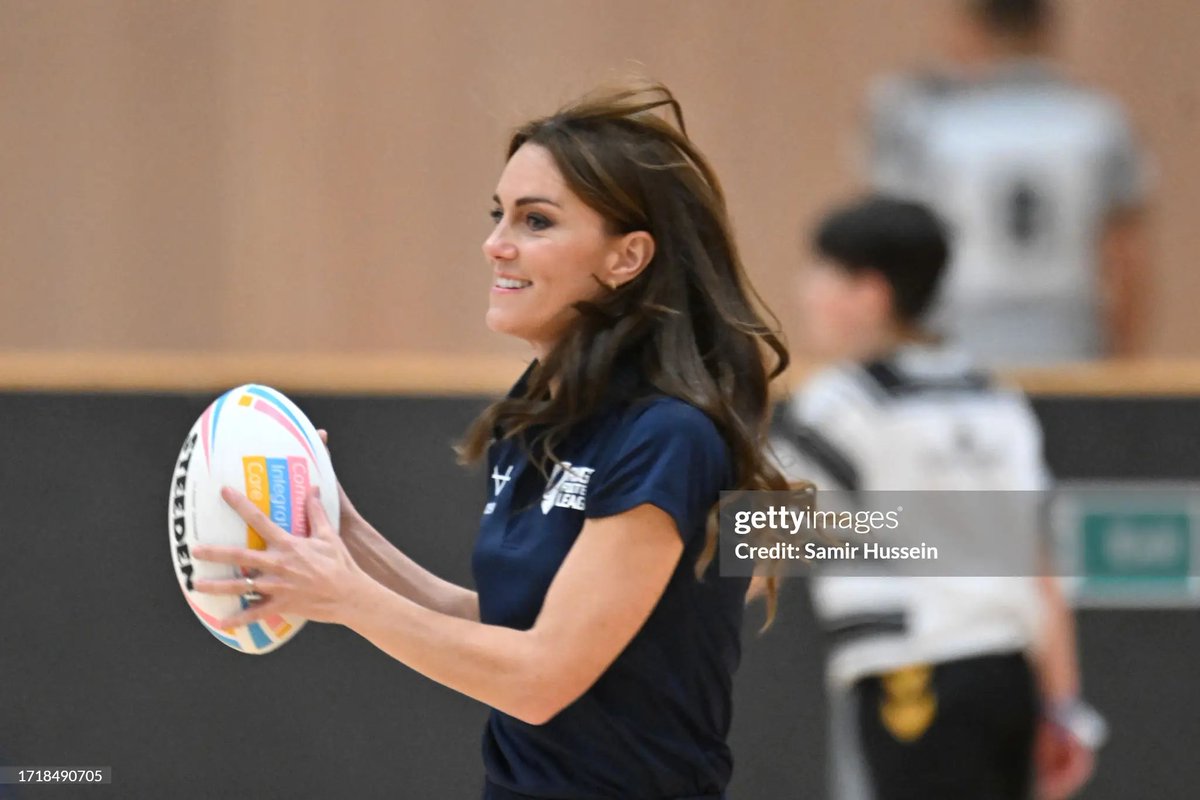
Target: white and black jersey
[
  {"x": 1025, "y": 167},
  {"x": 923, "y": 419}
]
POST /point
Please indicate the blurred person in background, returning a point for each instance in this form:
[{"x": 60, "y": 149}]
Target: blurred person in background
[
  {"x": 1039, "y": 178},
  {"x": 937, "y": 684}
]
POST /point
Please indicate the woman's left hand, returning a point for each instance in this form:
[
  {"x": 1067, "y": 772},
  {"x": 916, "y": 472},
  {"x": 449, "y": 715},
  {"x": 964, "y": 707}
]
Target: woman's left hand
[{"x": 315, "y": 577}]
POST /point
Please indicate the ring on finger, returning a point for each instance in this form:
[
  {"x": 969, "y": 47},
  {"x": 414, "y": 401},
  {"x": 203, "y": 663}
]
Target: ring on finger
[{"x": 251, "y": 594}]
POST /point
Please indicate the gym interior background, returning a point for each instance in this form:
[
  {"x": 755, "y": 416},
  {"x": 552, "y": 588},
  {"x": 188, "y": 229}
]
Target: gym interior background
[{"x": 198, "y": 195}]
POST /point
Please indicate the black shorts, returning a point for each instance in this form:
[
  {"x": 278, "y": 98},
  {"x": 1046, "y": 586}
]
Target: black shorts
[
  {"x": 961, "y": 730},
  {"x": 493, "y": 792}
]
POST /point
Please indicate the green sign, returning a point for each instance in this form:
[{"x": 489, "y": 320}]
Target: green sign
[
  {"x": 1129, "y": 545},
  {"x": 1141, "y": 547}
]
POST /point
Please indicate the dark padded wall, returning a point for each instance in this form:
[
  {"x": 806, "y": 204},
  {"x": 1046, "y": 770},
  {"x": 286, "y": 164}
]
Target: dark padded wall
[{"x": 101, "y": 663}]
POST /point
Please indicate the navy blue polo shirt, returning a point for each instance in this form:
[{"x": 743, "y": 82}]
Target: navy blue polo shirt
[{"x": 654, "y": 725}]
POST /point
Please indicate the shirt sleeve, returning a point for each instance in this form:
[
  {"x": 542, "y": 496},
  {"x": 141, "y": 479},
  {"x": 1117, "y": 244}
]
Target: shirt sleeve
[
  {"x": 799, "y": 463},
  {"x": 671, "y": 456},
  {"x": 1126, "y": 168},
  {"x": 894, "y": 139},
  {"x": 801, "y": 449}
]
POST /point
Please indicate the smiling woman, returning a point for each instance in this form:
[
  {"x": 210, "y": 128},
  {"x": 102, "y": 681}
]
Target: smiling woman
[
  {"x": 551, "y": 250},
  {"x": 601, "y": 634}
]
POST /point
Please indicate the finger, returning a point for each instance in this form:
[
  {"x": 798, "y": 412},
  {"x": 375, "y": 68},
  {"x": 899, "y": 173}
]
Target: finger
[
  {"x": 345, "y": 506},
  {"x": 237, "y": 586},
  {"x": 237, "y": 556},
  {"x": 317, "y": 518},
  {"x": 324, "y": 434},
  {"x": 254, "y": 517}
]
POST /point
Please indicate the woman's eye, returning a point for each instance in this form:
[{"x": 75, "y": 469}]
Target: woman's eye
[
  {"x": 537, "y": 222},
  {"x": 496, "y": 215}
]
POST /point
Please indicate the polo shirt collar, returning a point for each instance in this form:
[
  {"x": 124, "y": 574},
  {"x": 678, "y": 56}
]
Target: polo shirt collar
[{"x": 624, "y": 385}]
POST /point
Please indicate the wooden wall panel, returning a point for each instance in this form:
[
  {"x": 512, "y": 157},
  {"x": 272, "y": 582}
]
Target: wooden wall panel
[{"x": 249, "y": 176}]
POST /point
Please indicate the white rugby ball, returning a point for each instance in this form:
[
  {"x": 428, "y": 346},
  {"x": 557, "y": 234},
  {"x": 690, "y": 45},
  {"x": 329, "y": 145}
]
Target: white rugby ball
[{"x": 256, "y": 440}]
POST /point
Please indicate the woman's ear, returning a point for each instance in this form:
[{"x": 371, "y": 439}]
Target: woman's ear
[{"x": 630, "y": 255}]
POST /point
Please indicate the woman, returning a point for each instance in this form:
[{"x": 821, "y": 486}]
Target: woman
[{"x": 600, "y": 633}]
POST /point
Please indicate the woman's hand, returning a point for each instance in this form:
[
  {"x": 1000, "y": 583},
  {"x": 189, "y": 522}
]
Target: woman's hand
[{"x": 315, "y": 577}]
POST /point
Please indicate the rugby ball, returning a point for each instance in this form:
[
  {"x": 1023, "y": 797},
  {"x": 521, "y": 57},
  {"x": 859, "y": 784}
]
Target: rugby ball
[{"x": 257, "y": 441}]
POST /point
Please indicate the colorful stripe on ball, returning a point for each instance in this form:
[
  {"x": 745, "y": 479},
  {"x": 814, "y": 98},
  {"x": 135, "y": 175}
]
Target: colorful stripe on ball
[
  {"x": 216, "y": 418},
  {"x": 213, "y": 624},
  {"x": 275, "y": 408}
]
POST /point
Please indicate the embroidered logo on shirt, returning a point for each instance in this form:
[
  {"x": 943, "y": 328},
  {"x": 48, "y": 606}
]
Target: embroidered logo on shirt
[
  {"x": 567, "y": 487},
  {"x": 498, "y": 483}
]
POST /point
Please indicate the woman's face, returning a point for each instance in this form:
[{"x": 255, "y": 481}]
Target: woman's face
[{"x": 548, "y": 251}]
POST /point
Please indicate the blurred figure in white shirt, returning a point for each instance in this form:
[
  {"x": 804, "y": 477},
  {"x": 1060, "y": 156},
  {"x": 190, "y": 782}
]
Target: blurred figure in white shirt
[
  {"x": 1039, "y": 179},
  {"x": 939, "y": 685}
]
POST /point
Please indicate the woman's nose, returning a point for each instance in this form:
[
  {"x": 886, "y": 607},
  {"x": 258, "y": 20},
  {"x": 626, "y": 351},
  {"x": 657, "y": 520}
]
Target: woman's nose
[{"x": 497, "y": 247}]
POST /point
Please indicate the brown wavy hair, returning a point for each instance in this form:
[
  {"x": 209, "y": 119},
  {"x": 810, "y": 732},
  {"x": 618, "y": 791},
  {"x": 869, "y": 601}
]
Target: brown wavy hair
[{"x": 690, "y": 324}]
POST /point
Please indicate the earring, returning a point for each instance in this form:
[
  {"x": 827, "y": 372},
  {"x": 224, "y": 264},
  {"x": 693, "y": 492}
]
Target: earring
[{"x": 612, "y": 285}]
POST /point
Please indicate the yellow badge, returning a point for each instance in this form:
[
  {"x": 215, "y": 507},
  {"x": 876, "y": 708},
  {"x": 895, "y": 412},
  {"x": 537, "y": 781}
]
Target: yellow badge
[{"x": 909, "y": 704}]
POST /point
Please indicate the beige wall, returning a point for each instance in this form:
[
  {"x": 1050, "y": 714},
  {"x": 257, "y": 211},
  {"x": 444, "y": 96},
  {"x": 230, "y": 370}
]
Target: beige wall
[{"x": 230, "y": 176}]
